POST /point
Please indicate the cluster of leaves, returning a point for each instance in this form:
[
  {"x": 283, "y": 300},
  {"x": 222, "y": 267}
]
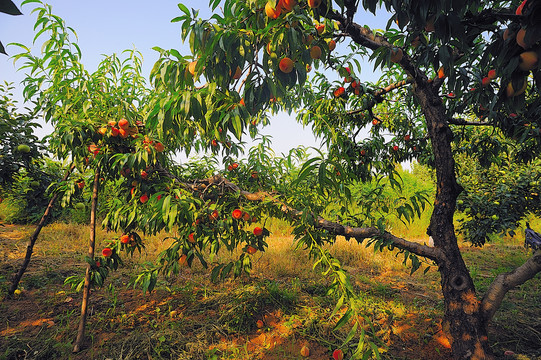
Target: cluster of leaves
[
  {"x": 499, "y": 195},
  {"x": 20, "y": 148}
]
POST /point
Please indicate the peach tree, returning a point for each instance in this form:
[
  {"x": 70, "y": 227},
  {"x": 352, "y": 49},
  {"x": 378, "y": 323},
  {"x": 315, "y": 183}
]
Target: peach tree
[{"x": 460, "y": 83}]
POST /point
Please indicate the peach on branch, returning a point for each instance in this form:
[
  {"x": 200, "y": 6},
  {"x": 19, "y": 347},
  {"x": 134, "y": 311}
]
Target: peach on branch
[
  {"x": 159, "y": 147},
  {"x": 512, "y": 92},
  {"x": 236, "y": 214},
  {"x": 287, "y": 5},
  {"x": 286, "y": 65},
  {"x": 191, "y": 67},
  {"x": 251, "y": 250},
  {"x": 271, "y": 11},
  {"x": 143, "y": 198},
  {"x": 315, "y": 52},
  {"x": 238, "y": 73},
  {"x": 332, "y": 45},
  {"x": 528, "y": 60},
  {"x": 123, "y": 124},
  {"x": 314, "y": 3}
]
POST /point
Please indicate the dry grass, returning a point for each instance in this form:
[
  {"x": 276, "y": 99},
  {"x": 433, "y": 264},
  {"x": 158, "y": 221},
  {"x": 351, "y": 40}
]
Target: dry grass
[{"x": 189, "y": 317}]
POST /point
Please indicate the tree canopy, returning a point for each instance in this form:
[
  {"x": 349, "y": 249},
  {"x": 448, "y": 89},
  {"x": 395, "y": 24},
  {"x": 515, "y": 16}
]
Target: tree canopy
[{"x": 459, "y": 92}]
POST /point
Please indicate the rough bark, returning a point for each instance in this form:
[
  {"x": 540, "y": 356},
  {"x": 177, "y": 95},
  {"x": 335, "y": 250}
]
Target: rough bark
[
  {"x": 507, "y": 281},
  {"x": 462, "y": 320},
  {"x": 32, "y": 241},
  {"x": 462, "y": 316},
  {"x": 92, "y": 243}
]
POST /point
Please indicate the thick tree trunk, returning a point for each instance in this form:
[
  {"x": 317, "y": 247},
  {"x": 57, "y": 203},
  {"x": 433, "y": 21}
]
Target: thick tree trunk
[
  {"x": 462, "y": 323},
  {"x": 34, "y": 237},
  {"x": 92, "y": 242}
]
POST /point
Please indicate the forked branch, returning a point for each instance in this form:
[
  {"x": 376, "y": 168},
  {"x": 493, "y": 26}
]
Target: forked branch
[{"x": 507, "y": 281}]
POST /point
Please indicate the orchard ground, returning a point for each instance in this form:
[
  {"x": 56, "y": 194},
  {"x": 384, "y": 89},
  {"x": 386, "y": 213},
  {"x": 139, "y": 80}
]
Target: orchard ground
[{"x": 271, "y": 314}]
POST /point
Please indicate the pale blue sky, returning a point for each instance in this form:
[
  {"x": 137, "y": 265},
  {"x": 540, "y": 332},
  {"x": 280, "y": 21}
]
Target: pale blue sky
[{"x": 106, "y": 27}]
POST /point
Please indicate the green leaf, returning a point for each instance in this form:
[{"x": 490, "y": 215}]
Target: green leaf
[{"x": 343, "y": 320}]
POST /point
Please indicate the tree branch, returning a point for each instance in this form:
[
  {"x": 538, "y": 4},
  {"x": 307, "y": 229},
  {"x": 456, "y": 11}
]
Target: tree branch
[
  {"x": 507, "y": 281},
  {"x": 460, "y": 121},
  {"x": 359, "y": 233}
]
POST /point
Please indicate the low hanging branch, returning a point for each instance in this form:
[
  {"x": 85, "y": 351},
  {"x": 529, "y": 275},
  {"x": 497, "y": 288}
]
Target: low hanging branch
[
  {"x": 34, "y": 237},
  {"x": 507, "y": 281},
  {"x": 92, "y": 243},
  {"x": 493, "y": 297},
  {"x": 335, "y": 228}
]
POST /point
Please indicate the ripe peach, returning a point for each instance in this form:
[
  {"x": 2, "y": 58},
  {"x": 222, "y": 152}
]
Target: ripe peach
[
  {"x": 125, "y": 239},
  {"x": 305, "y": 351},
  {"x": 272, "y": 12},
  {"x": 339, "y": 92},
  {"x": 238, "y": 73},
  {"x": 520, "y": 39},
  {"x": 114, "y": 132},
  {"x": 259, "y": 324},
  {"x": 106, "y": 252},
  {"x": 288, "y": 5},
  {"x": 94, "y": 149},
  {"x": 491, "y": 74},
  {"x": 159, "y": 147},
  {"x": 314, "y": 3},
  {"x": 258, "y": 231},
  {"x": 191, "y": 238},
  {"x": 332, "y": 45},
  {"x": 251, "y": 250},
  {"x": 286, "y": 65},
  {"x": 236, "y": 214},
  {"x": 441, "y": 73},
  {"x": 144, "y": 198},
  {"x": 320, "y": 28},
  {"x": 511, "y": 92},
  {"x": 182, "y": 260},
  {"x": 520, "y": 8},
  {"x": 123, "y": 124},
  {"x": 528, "y": 60},
  {"x": 485, "y": 81},
  {"x": 315, "y": 52},
  {"x": 337, "y": 354},
  {"x": 102, "y": 130},
  {"x": 191, "y": 67}
]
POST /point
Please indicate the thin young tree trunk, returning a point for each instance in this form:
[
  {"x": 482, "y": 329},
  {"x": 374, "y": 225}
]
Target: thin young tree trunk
[
  {"x": 34, "y": 237},
  {"x": 92, "y": 242}
]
